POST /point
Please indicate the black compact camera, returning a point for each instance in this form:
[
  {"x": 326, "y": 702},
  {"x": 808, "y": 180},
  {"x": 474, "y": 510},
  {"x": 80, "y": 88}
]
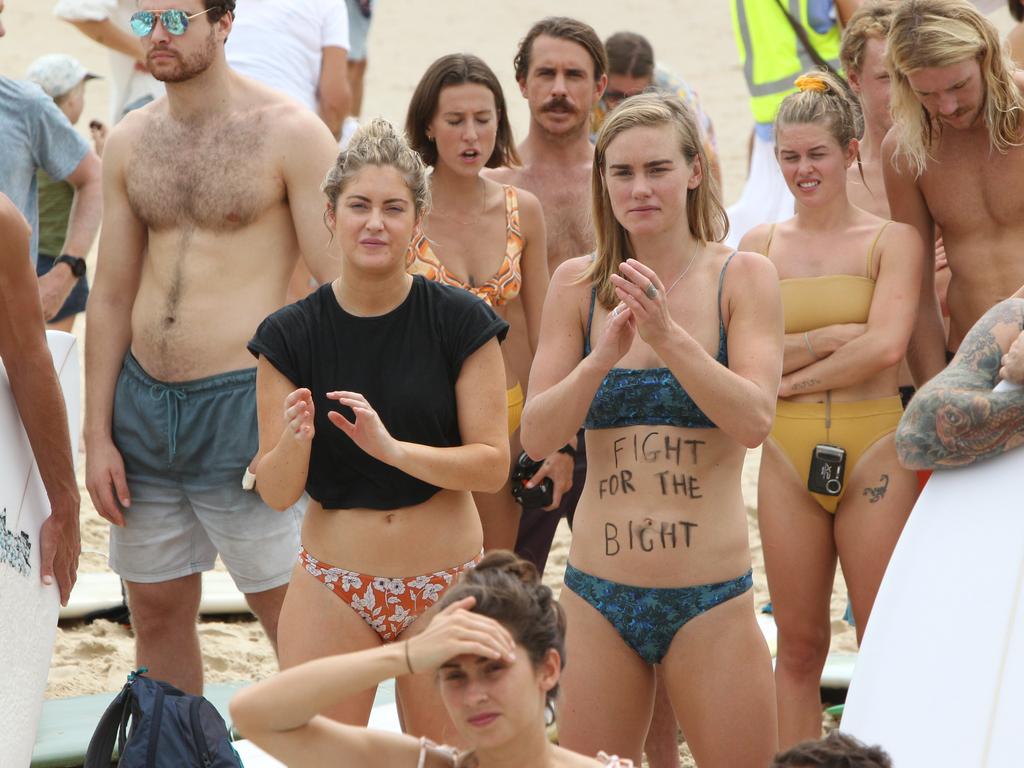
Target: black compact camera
[
  {"x": 828, "y": 470},
  {"x": 530, "y": 498}
]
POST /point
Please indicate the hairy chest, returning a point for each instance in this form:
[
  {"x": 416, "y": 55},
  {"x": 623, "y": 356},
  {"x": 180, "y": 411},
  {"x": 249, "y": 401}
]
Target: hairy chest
[
  {"x": 216, "y": 177},
  {"x": 565, "y": 198}
]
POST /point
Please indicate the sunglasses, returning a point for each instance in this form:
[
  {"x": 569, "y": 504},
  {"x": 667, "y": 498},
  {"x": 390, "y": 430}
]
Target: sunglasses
[
  {"x": 174, "y": 20},
  {"x": 614, "y": 97}
]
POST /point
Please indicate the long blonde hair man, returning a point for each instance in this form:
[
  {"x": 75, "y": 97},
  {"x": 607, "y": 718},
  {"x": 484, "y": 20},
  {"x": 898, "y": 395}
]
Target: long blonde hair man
[
  {"x": 954, "y": 159},
  {"x": 938, "y": 33}
]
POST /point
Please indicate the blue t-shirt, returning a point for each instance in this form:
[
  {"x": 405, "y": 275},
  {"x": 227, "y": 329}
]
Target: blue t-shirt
[
  {"x": 34, "y": 134},
  {"x": 821, "y": 15}
]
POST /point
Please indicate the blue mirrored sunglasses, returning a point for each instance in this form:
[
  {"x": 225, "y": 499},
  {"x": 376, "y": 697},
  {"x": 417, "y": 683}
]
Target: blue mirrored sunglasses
[{"x": 174, "y": 20}]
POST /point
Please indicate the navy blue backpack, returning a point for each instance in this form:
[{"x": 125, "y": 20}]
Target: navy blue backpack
[{"x": 157, "y": 726}]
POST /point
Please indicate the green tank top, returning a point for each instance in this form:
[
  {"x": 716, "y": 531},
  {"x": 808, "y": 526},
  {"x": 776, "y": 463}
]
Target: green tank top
[{"x": 55, "y": 198}]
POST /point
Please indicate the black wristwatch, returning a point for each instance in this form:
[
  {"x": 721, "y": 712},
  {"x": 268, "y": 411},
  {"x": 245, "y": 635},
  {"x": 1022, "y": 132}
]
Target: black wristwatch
[{"x": 76, "y": 263}]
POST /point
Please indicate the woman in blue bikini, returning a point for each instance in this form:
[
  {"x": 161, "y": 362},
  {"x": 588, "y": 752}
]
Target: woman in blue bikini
[{"x": 667, "y": 347}]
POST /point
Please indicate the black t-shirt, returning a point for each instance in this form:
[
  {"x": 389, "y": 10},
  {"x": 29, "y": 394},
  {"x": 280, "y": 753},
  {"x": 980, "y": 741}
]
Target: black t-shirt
[{"x": 405, "y": 363}]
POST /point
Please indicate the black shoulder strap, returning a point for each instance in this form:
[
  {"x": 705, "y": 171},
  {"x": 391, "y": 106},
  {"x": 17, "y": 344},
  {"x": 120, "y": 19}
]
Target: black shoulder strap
[
  {"x": 100, "y": 751},
  {"x": 801, "y": 34}
]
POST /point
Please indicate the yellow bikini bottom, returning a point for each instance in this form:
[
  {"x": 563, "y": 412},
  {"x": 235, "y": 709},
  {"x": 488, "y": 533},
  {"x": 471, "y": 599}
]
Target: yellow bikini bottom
[
  {"x": 855, "y": 426},
  {"x": 515, "y": 400}
]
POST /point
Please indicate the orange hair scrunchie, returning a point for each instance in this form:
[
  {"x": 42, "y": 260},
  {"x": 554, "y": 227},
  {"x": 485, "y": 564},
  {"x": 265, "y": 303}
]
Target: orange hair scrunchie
[{"x": 810, "y": 83}]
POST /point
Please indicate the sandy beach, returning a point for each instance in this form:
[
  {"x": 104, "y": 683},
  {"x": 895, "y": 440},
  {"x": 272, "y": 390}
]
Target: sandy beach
[{"x": 692, "y": 37}]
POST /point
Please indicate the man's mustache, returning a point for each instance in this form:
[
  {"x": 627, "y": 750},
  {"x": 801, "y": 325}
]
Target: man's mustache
[{"x": 558, "y": 104}]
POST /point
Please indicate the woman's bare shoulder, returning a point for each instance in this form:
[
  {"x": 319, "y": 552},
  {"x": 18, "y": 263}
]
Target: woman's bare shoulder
[
  {"x": 749, "y": 264},
  {"x": 571, "y": 274},
  {"x": 756, "y": 239}
]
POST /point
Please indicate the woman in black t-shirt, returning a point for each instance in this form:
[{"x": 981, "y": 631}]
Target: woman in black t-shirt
[{"x": 393, "y": 413}]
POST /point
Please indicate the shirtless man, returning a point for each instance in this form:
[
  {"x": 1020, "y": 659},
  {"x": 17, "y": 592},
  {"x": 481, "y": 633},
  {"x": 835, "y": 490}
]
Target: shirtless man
[
  {"x": 210, "y": 193},
  {"x": 954, "y": 159},
  {"x": 862, "y": 55},
  {"x": 561, "y": 70}
]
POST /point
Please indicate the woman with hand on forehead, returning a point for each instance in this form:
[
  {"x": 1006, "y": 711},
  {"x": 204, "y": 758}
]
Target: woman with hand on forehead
[
  {"x": 831, "y": 484},
  {"x": 485, "y": 237},
  {"x": 381, "y": 395},
  {"x": 495, "y": 650},
  {"x": 667, "y": 347}
]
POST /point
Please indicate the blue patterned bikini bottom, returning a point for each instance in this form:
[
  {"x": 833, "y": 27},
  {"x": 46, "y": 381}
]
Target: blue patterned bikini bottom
[{"x": 647, "y": 618}]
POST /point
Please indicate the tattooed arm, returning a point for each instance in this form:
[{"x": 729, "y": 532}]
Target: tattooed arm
[{"x": 956, "y": 418}]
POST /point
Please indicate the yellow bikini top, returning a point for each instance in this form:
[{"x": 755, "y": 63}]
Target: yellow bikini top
[{"x": 815, "y": 302}]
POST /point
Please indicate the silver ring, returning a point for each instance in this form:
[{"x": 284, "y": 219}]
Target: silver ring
[{"x": 651, "y": 292}]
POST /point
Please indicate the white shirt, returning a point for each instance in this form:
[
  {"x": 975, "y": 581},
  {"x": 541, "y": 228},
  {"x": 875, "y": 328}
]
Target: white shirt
[
  {"x": 127, "y": 84},
  {"x": 281, "y": 44}
]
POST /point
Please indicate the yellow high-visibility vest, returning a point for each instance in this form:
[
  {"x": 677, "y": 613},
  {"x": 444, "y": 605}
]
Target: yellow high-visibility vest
[{"x": 771, "y": 53}]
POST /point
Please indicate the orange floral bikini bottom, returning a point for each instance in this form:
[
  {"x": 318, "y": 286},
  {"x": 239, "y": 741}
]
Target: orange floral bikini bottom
[{"x": 388, "y": 605}]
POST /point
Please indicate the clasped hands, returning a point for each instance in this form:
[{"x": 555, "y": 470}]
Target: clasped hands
[{"x": 642, "y": 309}]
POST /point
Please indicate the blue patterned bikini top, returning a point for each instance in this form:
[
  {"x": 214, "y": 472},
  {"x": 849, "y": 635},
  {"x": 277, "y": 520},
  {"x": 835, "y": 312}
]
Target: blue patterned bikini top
[{"x": 647, "y": 396}]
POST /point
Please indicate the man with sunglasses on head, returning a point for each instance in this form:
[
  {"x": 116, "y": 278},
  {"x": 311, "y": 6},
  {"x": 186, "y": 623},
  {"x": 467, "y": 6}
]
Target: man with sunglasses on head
[
  {"x": 632, "y": 70},
  {"x": 211, "y": 195}
]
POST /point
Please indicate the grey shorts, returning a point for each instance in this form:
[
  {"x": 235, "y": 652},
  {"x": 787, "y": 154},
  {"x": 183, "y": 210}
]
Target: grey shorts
[
  {"x": 171, "y": 532},
  {"x": 185, "y": 446},
  {"x": 358, "y": 30}
]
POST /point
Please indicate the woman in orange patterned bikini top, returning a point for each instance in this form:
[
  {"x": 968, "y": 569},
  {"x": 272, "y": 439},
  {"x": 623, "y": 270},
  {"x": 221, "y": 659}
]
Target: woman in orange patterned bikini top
[{"x": 482, "y": 236}]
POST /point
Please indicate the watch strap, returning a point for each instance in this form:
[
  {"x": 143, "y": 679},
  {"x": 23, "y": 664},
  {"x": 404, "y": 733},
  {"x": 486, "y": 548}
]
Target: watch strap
[{"x": 76, "y": 263}]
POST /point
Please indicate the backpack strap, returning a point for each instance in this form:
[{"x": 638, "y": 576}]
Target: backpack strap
[
  {"x": 100, "y": 751},
  {"x": 156, "y": 689}
]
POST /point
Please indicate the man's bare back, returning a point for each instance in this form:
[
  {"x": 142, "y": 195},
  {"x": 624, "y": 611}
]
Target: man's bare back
[{"x": 226, "y": 210}]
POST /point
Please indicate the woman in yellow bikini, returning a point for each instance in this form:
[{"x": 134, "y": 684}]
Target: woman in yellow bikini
[
  {"x": 830, "y": 482},
  {"x": 485, "y": 237}
]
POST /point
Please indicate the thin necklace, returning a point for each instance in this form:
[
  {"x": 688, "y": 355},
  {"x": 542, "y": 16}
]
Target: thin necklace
[
  {"x": 686, "y": 269},
  {"x": 482, "y": 185}
]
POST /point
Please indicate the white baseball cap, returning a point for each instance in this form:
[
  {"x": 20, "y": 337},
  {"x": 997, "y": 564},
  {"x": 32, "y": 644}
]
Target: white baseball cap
[{"x": 58, "y": 73}]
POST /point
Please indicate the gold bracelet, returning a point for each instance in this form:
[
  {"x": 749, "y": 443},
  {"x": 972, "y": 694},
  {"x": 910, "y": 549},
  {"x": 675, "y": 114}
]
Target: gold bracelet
[
  {"x": 408, "y": 663},
  {"x": 810, "y": 349}
]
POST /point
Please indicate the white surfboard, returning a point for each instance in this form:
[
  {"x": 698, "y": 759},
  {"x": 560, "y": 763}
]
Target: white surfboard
[
  {"x": 100, "y": 591},
  {"x": 944, "y": 651},
  {"x": 28, "y": 610}
]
